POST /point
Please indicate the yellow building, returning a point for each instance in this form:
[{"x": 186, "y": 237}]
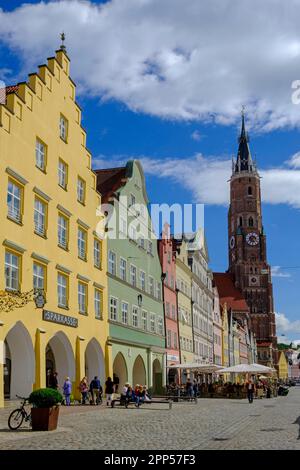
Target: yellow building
[
  {"x": 184, "y": 299},
  {"x": 49, "y": 237},
  {"x": 283, "y": 368},
  {"x": 225, "y": 330}
]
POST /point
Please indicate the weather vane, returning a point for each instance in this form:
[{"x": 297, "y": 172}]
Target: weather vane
[{"x": 63, "y": 37}]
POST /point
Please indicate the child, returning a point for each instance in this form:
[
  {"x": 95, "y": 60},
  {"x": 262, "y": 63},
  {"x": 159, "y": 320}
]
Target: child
[{"x": 67, "y": 389}]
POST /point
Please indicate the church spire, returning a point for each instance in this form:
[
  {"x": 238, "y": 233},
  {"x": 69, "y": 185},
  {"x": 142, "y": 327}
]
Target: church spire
[{"x": 244, "y": 160}]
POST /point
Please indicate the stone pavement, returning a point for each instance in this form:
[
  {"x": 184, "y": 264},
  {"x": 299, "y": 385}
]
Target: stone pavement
[{"x": 211, "y": 424}]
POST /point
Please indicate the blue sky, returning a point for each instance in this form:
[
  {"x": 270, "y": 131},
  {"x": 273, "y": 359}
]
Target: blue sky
[{"x": 147, "y": 95}]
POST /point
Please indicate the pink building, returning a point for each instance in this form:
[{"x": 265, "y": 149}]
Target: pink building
[
  {"x": 167, "y": 254},
  {"x": 217, "y": 329}
]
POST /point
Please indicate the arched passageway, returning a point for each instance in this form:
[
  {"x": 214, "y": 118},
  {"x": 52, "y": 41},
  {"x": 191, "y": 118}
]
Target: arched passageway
[
  {"x": 60, "y": 358},
  {"x": 139, "y": 372},
  {"x": 19, "y": 366},
  {"x": 94, "y": 361},
  {"x": 120, "y": 370}
]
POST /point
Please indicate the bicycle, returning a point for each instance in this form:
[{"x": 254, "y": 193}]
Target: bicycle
[{"x": 17, "y": 416}]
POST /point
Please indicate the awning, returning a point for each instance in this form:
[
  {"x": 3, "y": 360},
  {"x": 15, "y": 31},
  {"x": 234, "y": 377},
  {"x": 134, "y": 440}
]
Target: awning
[{"x": 195, "y": 366}]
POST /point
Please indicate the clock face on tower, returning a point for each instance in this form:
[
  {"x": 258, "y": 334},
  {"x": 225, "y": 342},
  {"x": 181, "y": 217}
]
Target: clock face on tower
[
  {"x": 252, "y": 239},
  {"x": 232, "y": 242}
]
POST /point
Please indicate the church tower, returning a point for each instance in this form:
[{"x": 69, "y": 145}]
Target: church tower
[{"x": 247, "y": 250}]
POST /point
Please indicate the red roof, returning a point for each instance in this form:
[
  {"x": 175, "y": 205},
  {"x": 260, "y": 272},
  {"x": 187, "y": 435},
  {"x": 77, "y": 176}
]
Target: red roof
[
  {"x": 11, "y": 89},
  {"x": 229, "y": 293},
  {"x": 109, "y": 181}
]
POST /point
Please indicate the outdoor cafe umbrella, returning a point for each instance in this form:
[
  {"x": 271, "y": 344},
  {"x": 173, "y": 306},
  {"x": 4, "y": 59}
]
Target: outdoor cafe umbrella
[
  {"x": 205, "y": 368},
  {"x": 244, "y": 369}
]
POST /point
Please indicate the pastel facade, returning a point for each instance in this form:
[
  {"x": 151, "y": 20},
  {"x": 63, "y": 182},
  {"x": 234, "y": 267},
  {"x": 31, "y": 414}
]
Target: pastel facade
[
  {"x": 184, "y": 299},
  {"x": 135, "y": 305},
  {"x": 202, "y": 298},
  {"x": 49, "y": 239},
  {"x": 217, "y": 330},
  {"x": 167, "y": 254},
  {"x": 283, "y": 371}
]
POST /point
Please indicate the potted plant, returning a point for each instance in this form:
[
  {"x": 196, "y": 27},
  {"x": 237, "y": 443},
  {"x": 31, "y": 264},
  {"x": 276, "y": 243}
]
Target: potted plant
[{"x": 45, "y": 409}]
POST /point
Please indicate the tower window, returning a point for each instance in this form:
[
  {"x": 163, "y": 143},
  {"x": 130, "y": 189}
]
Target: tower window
[
  {"x": 240, "y": 221},
  {"x": 249, "y": 190},
  {"x": 250, "y": 222}
]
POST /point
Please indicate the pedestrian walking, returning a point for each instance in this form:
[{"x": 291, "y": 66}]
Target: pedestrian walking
[
  {"x": 109, "y": 390},
  {"x": 84, "y": 389},
  {"x": 189, "y": 389},
  {"x": 250, "y": 387},
  {"x": 67, "y": 389},
  {"x": 95, "y": 388},
  {"x": 53, "y": 380}
]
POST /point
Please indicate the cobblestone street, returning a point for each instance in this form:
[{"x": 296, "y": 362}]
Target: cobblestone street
[{"x": 210, "y": 424}]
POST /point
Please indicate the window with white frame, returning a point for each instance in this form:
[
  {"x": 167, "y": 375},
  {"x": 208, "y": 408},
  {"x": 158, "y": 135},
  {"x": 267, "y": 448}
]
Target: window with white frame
[
  {"x": 175, "y": 340},
  {"x": 132, "y": 231},
  {"x": 40, "y": 154},
  {"x": 80, "y": 190},
  {"x": 133, "y": 275},
  {"x": 160, "y": 326},
  {"x": 144, "y": 320},
  {"x": 14, "y": 201},
  {"x": 97, "y": 253},
  {"x": 173, "y": 312},
  {"x": 123, "y": 269},
  {"x": 152, "y": 323},
  {"x": 63, "y": 128},
  {"x": 124, "y": 312},
  {"x": 132, "y": 200},
  {"x": 62, "y": 174},
  {"x": 38, "y": 276},
  {"x": 135, "y": 317},
  {"x": 167, "y": 309},
  {"x": 40, "y": 217},
  {"x": 142, "y": 242},
  {"x": 143, "y": 280},
  {"x": 62, "y": 290},
  {"x": 63, "y": 224},
  {"x": 98, "y": 303},
  {"x": 158, "y": 290},
  {"x": 12, "y": 271},
  {"x": 151, "y": 285},
  {"x": 150, "y": 247},
  {"x": 169, "y": 335},
  {"x": 123, "y": 226},
  {"x": 113, "y": 308},
  {"x": 112, "y": 263},
  {"x": 81, "y": 243},
  {"x": 82, "y": 297}
]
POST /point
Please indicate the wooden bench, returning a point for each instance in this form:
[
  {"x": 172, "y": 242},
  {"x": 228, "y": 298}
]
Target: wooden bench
[
  {"x": 183, "y": 398},
  {"x": 149, "y": 402}
]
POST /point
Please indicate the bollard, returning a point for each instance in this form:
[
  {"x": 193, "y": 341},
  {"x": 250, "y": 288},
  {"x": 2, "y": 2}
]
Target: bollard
[{"x": 170, "y": 404}]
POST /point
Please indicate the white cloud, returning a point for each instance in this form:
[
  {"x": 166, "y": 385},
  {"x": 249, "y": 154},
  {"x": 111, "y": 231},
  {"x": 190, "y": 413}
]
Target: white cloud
[
  {"x": 196, "y": 136},
  {"x": 276, "y": 272},
  {"x": 172, "y": 58},
  {"x": 286, "y": 326},
  {"x": 294, "y": 161},
  {"x": 207, "y": 178}
]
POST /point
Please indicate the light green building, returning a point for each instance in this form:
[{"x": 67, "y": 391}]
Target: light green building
[{"x": 135, "y": 306}]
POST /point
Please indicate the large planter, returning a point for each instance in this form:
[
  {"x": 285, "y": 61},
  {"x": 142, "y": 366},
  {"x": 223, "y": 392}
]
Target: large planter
[{"x": 44, "y": 419}]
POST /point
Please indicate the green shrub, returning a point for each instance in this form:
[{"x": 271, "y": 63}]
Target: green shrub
[{"x": 45, "y": 398}]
